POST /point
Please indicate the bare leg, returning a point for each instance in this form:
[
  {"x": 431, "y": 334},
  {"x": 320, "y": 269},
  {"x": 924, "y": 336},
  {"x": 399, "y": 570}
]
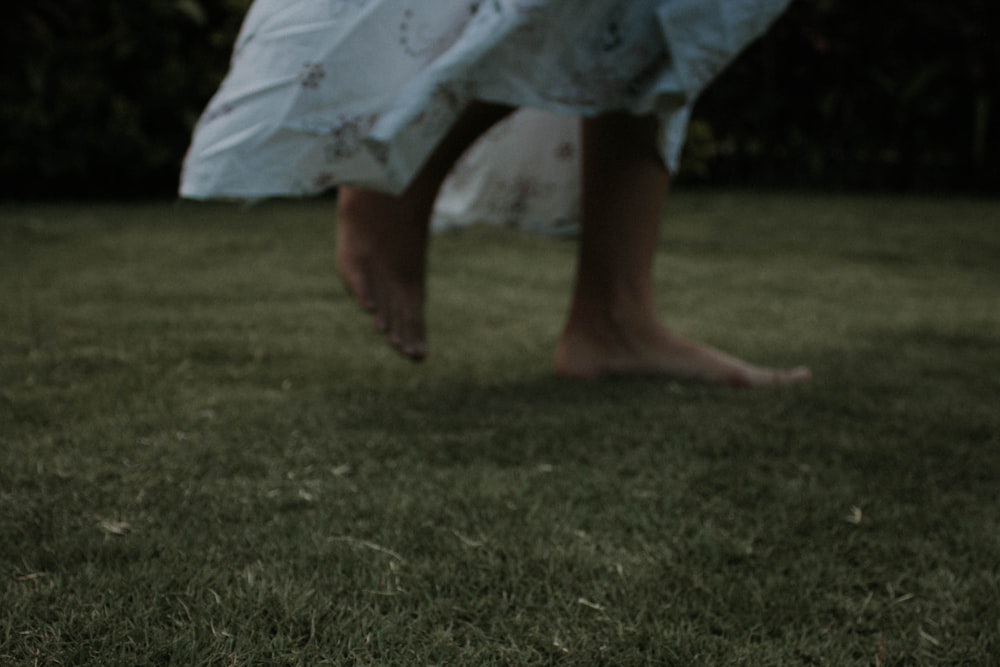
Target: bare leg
[
  {"x": 382, "y": 240},
  {"x": 612, "y": 326}
]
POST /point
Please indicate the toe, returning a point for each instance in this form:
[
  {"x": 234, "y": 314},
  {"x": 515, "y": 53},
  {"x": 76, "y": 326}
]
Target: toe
[{"x": 795, "y": 375}]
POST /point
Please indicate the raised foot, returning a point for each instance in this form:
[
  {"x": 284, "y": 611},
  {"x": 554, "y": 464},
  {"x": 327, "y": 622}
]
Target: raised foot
[
  {"x": 381, "y": 261},
  {"x": 355, "y": 271},
  {"x": 661, "y": 352}
]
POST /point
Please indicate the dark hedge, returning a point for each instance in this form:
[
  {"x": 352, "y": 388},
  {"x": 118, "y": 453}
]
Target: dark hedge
[
  {"x": 895, "y": 94},
  {"x": 98, "y": 98}
]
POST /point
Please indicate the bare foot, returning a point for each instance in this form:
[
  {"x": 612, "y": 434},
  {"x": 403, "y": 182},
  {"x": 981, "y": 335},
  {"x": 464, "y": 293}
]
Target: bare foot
[
  {"x": 355, "y": 253},
  {"x": 382, "y": 240},
  {"x": 585, "y": 353},
  {"x": 381, "y": 255},
  {"x": 612, "y": 327}
]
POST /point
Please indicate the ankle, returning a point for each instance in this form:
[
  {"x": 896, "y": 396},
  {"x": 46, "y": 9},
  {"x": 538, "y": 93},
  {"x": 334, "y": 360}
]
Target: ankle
[{"x": 617, "y": 308}]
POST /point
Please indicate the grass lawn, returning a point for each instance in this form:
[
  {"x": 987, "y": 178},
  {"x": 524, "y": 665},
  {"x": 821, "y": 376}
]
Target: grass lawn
[{"x": 208, "y": 458}]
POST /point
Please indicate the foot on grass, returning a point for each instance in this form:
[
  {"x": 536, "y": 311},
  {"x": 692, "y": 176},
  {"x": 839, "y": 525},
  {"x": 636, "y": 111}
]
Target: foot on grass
[{"x": 587, "y": 353}]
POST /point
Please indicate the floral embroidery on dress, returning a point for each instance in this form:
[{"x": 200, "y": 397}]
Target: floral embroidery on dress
[
  {"x": 523, "y": 173},
  {"x": 346, "y": 136},
  {"x": 613, "y": 37},
  {"x": 426, "y": 40},
  {"x": 324, "y": 180},
  {"x": 565, "y": 151},
  {"x": 320, "y": 91},
  {"x": 312, "y": 75},
  {"x": 441, "y": 110}
]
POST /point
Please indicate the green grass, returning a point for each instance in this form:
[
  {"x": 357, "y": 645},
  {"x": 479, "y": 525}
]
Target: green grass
[{"x": 207, "y": 457}]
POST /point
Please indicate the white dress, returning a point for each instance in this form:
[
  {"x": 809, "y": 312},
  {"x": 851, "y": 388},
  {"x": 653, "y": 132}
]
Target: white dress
[
  {"x": 322, "y": 92},
  {"x": 523, "y": 173}
]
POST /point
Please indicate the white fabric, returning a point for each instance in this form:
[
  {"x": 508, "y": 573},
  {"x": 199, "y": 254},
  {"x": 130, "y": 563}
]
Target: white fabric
[
  {"x": 322, "y": 92},
  {"x": 523, "y": 173}
]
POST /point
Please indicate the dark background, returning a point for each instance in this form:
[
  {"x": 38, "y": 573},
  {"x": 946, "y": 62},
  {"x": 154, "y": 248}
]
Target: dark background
[{"x": 97, "y": 99}]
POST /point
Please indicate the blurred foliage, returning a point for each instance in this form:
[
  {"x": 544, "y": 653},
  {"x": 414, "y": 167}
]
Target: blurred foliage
[
  {"x": 99, "y": 98},
  {"x": 895, "y": 95}
]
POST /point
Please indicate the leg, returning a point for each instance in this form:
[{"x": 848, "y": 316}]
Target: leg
[
  {"x": 612, "y": 326},
  {"x": 382, "y": 240}
]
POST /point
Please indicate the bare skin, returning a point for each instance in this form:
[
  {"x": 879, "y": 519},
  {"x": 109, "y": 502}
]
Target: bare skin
[
  {"x": 382, "y": 240},
  {"x": 612, "y": 327},
  {"x": 381, "y": 257}
]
